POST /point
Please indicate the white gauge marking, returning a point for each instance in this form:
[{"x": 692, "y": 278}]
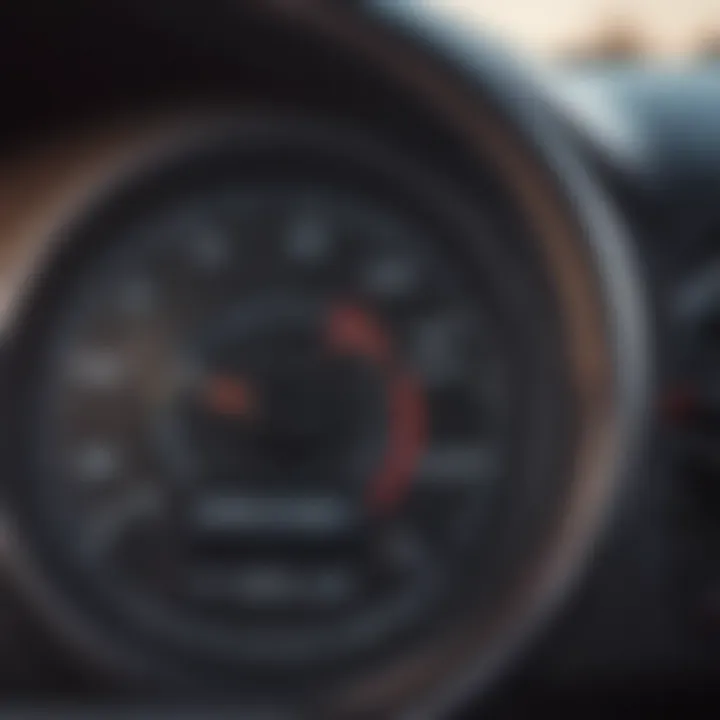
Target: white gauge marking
[
  {"x": 309, "y": 239},
  {"x": 210, "y": 249},
  {"x": 460, "y": 465},
  {"x": 276, "y": 584},
  {"x": 272, "y": 515},
  {"x": 97, "y": 463},
  {"x": 137, "y": 296},
  {"x": 436, "y": 351},
  {"x": 97, "y": 368},
  {"x": 392, "y": 277}
]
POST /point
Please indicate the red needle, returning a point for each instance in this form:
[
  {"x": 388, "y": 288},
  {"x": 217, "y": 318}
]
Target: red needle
[{"x": 353, "y": 331}]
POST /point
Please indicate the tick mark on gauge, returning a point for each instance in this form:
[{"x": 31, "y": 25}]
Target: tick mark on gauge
[
  {"x": 308, "y": 240},
  {"x": 392, "y": 278},
  {"x": 435, "y": 351},
  {"x": 137, "y": 297},
  {"x": 210, "y": 249},
  {"x": 454, "y": 466},
  {"x": 97, "y": 463},
  {"x": 97, "y": 368}
]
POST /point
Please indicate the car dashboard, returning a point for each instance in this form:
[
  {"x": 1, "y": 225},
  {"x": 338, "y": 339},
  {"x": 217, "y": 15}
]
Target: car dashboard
[{"x": 637, "y": 629}]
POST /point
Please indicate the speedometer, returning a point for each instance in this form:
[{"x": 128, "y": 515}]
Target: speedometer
[
  {"x": 288, "y": 412},
  {"x": 273, "y": 420}
]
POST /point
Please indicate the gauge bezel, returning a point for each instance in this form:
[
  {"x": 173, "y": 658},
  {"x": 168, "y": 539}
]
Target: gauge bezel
[{"x": 257, "y": 151}]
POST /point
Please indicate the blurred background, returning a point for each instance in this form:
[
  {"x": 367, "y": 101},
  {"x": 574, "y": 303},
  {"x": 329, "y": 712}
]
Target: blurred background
[{"x": 603, "y": 31}]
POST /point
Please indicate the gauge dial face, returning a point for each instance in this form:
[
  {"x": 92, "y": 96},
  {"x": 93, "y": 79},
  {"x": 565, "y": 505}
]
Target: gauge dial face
[{"x": 272, "y": 423}]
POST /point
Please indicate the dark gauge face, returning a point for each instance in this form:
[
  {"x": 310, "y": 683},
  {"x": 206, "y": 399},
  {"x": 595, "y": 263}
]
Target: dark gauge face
[{"x": 272, "y": 423}]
